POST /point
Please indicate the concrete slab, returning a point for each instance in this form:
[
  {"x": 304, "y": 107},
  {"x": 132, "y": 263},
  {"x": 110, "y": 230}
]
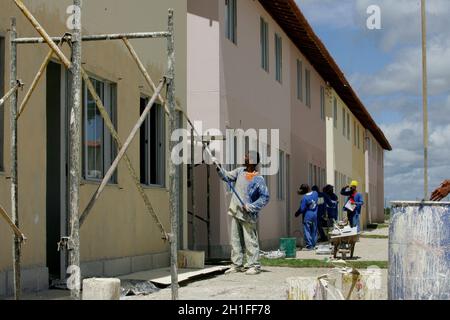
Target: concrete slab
[
  {"x": 162, "y": 276},
  {"x": 166, "y": 280}
]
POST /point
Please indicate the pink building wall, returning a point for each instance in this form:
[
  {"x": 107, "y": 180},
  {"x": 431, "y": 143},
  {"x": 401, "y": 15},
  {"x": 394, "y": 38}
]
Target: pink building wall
[{"x": 227, "y": 88}]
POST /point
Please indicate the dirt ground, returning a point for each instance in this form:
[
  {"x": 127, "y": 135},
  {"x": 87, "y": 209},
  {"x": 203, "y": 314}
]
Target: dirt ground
[{"x": 271, "y": 284}]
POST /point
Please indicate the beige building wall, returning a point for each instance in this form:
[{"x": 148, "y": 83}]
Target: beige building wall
[
  {"x": 345, "y": 151},
  {"x": 374, "y": 158},
  {"x": 118, "y": 228}
]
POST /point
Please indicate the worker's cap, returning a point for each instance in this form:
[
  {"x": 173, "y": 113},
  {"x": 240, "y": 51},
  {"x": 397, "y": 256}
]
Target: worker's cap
[{"x": 354, "y": 183}]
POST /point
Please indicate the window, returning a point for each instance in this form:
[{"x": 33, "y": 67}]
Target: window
[
  {"x": 324, "y": 178},
  {"x": 359, "y": 137},
  {"x": 264, "y": 45},
  {"x": 343, "y": 121},
  {"x": 322, "y": 103},
  {"x": 355, "y": 142},
  {"x": 310, "y": 175},
  {"x": 300, "y": 80},
  {"x": 99, "y": 149},
  {"x": 335, "y": 113},
  {"x": 348, "y": 126},
  {"x": 2, "y": 108},
  {"x": 152, "y": 146},
  {"x": 281, "y": 177},
  {"x": 315, "y": 175},
  {"x": 308, "y": 87},
  {"x": 231, "y": 20},
  {"x": 336, "y": 182},
  {"x": 278, "y": 58}
]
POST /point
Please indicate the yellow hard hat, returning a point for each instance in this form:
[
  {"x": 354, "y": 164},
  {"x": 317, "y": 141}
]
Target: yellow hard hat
[{"x": 354, "y": 183}]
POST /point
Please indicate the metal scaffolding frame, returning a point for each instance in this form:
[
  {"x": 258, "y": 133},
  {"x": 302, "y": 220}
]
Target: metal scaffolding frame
[{"x": 75, "y": 39}]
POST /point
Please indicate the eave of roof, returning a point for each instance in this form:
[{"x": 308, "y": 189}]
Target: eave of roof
[{"x": 289, "y": 17}]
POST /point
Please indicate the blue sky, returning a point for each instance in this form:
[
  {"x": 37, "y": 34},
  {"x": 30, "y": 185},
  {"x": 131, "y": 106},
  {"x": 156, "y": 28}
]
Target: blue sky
[{"x": 384, "y": 67}]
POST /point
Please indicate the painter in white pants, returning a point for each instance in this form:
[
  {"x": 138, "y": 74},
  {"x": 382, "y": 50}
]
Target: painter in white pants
[
  {"x": 244, "y": 244},
  {"x": 252, "y": 190}
]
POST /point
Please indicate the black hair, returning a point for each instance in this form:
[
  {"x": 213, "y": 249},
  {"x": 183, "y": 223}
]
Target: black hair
[
  {"x": 304, "y": 188},
  {"x": 252, "y": 155},
  {"x": 315, "y": 188}
]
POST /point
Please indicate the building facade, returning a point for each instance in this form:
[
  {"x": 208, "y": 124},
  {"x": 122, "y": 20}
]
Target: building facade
[
  {"x": 119, "y": 236},
  {"x": 248, "y": 67}
]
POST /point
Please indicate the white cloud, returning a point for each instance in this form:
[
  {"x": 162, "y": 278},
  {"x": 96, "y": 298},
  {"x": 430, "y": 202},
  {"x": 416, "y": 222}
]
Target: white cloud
[
  {"x": 397, "y": 87},
  {"x": 404, "y": 74},
  {"x": 336, "y": 14}
]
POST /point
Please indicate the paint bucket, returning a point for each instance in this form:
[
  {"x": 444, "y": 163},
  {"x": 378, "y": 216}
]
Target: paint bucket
[
  {"x": 289, "y": 245},
  {"x": 419, "y": 251}
]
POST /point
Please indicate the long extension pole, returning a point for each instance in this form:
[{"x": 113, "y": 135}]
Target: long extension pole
[
  {"x": 74, "y": 151},
  {"x": 425, "y": 97},
  {"x": 174, "y": 197},
  {"x": 14, "y": 177}
]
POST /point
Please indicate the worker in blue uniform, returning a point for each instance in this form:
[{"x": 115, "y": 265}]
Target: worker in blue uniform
[
  {"x": 332, "y": 203},
  {"x": 321, "y": 215},
  {"x": 353, "y": 204},
  {"x": 308, "y": 208}
]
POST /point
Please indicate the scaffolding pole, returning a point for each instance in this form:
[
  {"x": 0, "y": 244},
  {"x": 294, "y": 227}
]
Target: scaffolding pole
[
  {"x": 95, "y": 37},
  {"x": 74, "y": 150},
  {"x": 173, "y": 184},
  {"x": 14, "y": 228},
  {"x": 425, "y": 98},
  {"x": 11, "y": 91},
  {"x": 144, "y": 72},
  {"x": 14, "y": 155},
  {"x": 35, "y": 82}
]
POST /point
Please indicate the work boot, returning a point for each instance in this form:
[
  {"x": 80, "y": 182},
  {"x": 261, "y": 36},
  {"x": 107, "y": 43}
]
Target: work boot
[
  {"x": 234, "y": 269},
  {"x": 253, "y": 271}
]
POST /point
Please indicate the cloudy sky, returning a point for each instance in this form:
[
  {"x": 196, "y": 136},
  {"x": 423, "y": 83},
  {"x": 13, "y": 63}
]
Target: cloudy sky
[{"x": 384, "y": 67}]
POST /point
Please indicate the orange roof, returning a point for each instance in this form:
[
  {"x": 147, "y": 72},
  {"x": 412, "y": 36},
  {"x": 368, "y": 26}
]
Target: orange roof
[{"x": 289, "y": 17}]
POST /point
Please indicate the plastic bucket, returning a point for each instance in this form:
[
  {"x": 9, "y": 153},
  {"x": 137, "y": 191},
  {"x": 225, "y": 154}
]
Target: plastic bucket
[{"x": 289, "y": 245}]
